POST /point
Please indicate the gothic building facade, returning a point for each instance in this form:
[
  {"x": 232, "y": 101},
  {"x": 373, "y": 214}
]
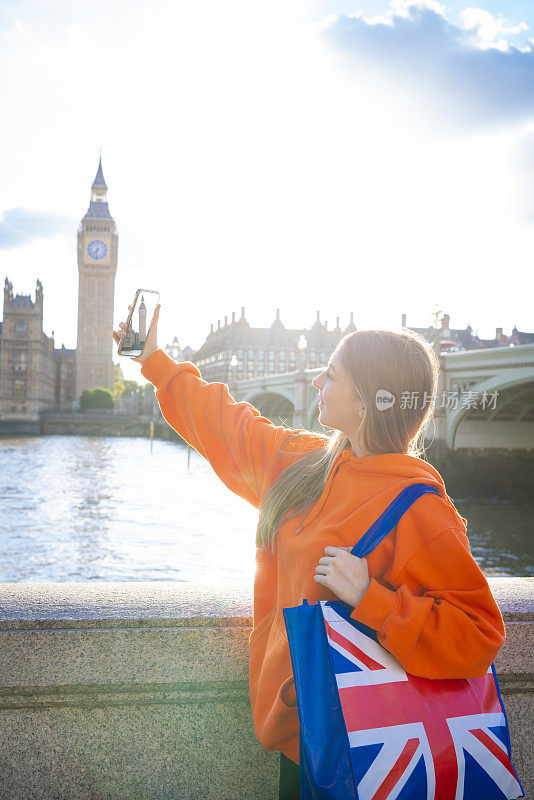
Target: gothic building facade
[
  {"x": 34, "y": 374},
  {"x": 234, "y": 350},
  {"x": 265, "y": 351}
]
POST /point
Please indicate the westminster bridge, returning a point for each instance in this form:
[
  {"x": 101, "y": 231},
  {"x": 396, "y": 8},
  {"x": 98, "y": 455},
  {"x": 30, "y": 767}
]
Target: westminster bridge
[{"x": 485, "y": 398}]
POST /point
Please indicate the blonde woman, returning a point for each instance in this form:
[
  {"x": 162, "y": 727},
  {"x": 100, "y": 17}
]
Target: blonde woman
[{"x": 420, "y": 589}]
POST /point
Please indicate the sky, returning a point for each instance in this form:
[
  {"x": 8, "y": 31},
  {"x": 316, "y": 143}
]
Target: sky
[{"x": 372, "y": 156}]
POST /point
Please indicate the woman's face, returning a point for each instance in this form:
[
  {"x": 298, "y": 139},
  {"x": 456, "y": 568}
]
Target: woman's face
[{"x": 338, "y": 404}]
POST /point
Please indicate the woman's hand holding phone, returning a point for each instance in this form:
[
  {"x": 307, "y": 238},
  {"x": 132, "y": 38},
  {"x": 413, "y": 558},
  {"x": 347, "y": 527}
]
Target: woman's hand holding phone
[{"x": 151, "y": 344}]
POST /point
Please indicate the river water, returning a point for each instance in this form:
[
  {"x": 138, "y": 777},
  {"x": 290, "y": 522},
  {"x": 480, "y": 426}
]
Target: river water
[{"x": 78, "y": 508}]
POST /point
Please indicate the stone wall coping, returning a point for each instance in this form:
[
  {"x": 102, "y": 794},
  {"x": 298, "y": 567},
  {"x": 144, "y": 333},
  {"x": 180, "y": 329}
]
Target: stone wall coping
[
  {"x": 120, "y": 603},
  {"x": 173, "y": 604}
]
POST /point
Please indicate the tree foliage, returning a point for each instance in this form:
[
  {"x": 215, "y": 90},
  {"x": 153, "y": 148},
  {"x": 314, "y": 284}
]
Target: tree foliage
[
  {"x": 118, "y": 385},
  {"x": 96, "y": 398},
  {"x": 131, "y": 387}
]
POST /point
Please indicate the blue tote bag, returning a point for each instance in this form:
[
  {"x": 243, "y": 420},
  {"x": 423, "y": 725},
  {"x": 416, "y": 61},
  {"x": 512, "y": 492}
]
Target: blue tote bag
[{"x": 369, "y": 730}]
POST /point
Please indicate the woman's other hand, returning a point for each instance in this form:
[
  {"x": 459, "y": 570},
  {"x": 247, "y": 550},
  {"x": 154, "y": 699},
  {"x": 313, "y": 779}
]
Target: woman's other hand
[
  {"x": 151, "y": 344},
  {"x": 345, "y": 575}
]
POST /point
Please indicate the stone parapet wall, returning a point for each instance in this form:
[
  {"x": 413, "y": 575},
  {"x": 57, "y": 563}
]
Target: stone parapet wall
[{"x": 139, "y": 691}]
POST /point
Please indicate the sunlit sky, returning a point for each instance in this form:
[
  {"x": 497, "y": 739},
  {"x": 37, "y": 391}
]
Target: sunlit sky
[{"x": 366, "y": 156}]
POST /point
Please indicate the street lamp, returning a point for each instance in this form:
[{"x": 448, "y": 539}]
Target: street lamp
[
  {"x": 438, "y": 315},
  {"x": 302, "y": 346},
  {"x": 233, "y": 369}
]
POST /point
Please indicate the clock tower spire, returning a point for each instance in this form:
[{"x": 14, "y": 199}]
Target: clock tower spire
[
  {"x": 97, "y": 266},
  {"x": 99, "y": 187}
]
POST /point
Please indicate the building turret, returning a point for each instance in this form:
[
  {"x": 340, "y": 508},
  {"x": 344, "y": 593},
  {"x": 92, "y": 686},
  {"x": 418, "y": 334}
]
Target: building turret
[
  {"x": 8, "y": 291},
  {"x": 39, "y": 293},
  {"x": 500, "y": 337},
  {"x": 277, "y": 325},
  {"x": 351, "y": 326},
  {"x": 242, "y": 320}
]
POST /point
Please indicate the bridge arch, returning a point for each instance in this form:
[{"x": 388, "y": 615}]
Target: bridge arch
[
  {"x": 515, "y": 404},
  {"x": 276, "y": 406},
  {"x": 257, "y": 391}
]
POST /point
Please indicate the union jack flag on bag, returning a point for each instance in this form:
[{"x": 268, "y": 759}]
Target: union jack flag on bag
[{"x": 370, "y": 731}]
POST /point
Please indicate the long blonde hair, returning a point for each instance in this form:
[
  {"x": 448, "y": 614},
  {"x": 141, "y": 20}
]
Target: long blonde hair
[{"x": 399, "y": 362}]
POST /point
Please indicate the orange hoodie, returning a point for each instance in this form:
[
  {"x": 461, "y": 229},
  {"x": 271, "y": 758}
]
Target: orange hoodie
[{"x": 428, "y": 600}]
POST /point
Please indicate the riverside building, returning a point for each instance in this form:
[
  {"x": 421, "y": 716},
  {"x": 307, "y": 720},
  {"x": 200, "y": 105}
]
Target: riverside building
[
  {"x": 234, "y": 350},
  {"x": 265, "y": 351}
]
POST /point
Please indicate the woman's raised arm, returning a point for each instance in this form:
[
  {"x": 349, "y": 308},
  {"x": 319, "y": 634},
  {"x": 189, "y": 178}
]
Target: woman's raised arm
[{"x": 240, "y": 444}]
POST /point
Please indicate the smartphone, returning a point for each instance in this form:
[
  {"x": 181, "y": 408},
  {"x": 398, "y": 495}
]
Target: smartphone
[{"x": 138, "y": 323}]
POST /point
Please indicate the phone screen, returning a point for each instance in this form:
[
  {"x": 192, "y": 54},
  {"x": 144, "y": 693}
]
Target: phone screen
[{"x": 138, "y": 322}]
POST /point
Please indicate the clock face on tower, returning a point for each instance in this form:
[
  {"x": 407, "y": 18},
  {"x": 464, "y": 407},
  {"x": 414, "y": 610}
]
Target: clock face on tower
[{"x": 97, "y": 250}]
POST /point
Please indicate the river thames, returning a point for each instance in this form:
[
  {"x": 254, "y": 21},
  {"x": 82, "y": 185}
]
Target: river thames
[{"x": 78, "y": 508}]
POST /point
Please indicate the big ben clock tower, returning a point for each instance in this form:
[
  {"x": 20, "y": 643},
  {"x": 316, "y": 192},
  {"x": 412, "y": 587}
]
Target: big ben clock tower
[{"x": 97, "y": 265}]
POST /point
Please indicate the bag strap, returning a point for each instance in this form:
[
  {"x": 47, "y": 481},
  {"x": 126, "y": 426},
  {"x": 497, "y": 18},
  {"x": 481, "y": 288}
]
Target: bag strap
[{"x": 389, "y": 518}]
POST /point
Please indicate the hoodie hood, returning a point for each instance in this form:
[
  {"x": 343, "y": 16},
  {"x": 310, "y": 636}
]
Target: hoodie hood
[
  {"x": 388, "y": 473},
  {"x": 408, "y": 469}
]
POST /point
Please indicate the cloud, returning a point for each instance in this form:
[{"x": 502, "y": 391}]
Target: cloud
[
  {"x": 473, "y": 71},
  {"x": 18, "y": 226},
  {"x": 489, "y": 30}
]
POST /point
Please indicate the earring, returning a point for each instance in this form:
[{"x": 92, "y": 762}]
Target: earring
[{"x": 360, "y": 412}]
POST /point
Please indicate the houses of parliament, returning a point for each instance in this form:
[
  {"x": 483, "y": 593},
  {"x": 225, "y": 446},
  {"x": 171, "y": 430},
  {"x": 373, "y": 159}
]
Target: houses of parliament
[{"x": 36, "y": 376}]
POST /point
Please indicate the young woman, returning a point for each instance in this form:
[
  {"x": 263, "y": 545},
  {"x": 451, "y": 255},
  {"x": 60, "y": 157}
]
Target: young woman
[{"x": 420, "y": 589}]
